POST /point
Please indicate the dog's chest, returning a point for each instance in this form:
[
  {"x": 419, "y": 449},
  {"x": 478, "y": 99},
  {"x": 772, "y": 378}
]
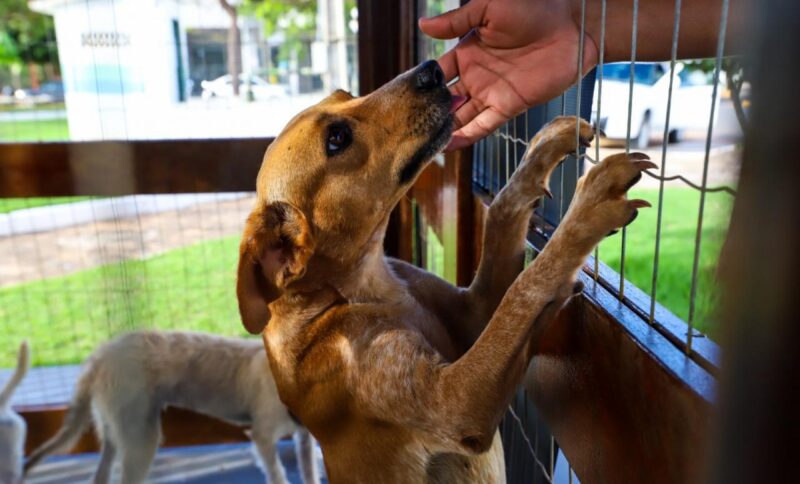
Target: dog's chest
[{"x": 432, "y": 329}]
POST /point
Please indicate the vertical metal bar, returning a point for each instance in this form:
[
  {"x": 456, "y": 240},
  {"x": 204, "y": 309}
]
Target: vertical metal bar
[
  {"x": 516, "y": 143},
  {"x": 664, "y": 143},
  {"x": 634, "y": 32},
  {"x": 699, "y": 235},
  {"x": 561, "y": 168},
  {"x": 599, "y": 112},
  {"x": 578, "y": 90},
  {"x": 508, "y": 154},
  {"x": 552, "y": 455}
]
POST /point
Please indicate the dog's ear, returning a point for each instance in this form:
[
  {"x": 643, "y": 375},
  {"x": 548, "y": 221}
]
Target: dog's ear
[{"x": 275, "y": 248}]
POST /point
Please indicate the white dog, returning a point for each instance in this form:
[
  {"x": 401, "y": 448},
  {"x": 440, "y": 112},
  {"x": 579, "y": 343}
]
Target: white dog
[
  {"x": 12, "y": 426},
  {"x": 129, "y": 380}
]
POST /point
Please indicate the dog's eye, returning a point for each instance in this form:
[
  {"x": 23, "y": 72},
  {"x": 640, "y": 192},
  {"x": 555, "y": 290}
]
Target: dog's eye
[{"x": 338, "y": 138}]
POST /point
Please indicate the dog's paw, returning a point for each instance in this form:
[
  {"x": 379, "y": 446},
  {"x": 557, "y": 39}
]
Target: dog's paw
[
  {"x": 559, "y": 138},
  {"x": 601, "y": 203}
]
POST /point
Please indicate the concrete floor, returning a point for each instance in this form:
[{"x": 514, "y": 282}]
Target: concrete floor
[{"x": 217, "y": 464}]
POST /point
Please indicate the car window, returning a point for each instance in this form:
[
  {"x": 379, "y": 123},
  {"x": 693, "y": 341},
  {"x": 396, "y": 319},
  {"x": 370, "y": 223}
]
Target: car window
[
  {"x": 694, "y": 77},
  {"x": 644, "y": 73}
]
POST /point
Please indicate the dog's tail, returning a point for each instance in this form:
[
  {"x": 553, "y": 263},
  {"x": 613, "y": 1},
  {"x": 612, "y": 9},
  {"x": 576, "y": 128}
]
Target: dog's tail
[
  {"x": 78, "y": 417},
  {"x": 23, "y": 365}
]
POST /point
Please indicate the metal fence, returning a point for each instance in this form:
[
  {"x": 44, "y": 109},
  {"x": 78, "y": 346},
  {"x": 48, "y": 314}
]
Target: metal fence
[{"x": 496, "y": 157}]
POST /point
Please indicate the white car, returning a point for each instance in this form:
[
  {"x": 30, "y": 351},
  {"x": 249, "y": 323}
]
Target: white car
[
  {"x": 691, "y": 101},
  {"x": 261, "y": 89}
]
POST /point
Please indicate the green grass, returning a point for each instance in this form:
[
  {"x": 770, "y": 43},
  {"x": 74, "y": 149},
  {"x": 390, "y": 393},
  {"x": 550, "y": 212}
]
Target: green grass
[
  {"x": 34, "y": 130},
  {"x": 15, "y": 108},
  {"x": 65, "y": 318},
  {"x": 193, "y": 288},
  {"x": 11, "y": 204},
  {"x": 679, "y": 227}
]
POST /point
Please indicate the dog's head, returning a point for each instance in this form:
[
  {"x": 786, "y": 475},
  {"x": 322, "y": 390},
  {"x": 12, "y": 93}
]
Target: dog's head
[{"x": 330, "y": 180}]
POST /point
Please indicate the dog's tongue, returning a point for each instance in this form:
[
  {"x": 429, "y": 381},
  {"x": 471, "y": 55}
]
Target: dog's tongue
[{"x": 456, "y": 102}]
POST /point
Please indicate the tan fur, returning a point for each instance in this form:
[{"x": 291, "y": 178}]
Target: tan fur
[
  {"x": 399, "y": 375},
  {"x": 127, "y": 381}
]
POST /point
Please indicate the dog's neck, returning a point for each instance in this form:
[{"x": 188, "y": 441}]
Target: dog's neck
[
  {"x": 368, "y": 280},
  {"x": 371, "y": 280}
]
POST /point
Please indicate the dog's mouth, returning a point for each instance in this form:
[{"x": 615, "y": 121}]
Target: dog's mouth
[{"x": 438, "y": 139}]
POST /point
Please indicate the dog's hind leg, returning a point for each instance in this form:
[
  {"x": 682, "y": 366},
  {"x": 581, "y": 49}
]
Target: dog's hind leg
[
  {"x": 102, "y": 474},
  {"x": 306, "y": 457},
  {"x": 138, "y": 443},
  {"x": 266, "y": 444}
]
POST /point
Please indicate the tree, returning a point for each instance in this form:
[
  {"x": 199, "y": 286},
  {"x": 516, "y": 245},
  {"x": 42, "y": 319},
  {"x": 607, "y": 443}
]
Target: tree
[
  {"x": 26, "y": 37},
  {"x": 234, "y": 45}
]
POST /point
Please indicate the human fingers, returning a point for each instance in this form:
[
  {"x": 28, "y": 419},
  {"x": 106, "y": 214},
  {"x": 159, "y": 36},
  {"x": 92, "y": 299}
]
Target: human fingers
[
  {"x": 454, "y": 23},
  {"x": 467, "y": 112},
  {"x": 481, "y": 126},
  {"x": 449, "y": 60}
]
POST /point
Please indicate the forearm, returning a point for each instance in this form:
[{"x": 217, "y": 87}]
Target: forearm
[{"x": 698, "y": 32}]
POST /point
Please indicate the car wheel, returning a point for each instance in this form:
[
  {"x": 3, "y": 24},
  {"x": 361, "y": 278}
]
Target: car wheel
[{"x": 643, "y": 140}]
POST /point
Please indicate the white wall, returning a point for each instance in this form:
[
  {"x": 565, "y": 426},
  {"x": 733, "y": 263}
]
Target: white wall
[{"x": 118, "y": 85}]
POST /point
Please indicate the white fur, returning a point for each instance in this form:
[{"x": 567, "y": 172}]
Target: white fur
[
  {"x": 129, "y": 380},
  {"x": 12, "y": 426}
]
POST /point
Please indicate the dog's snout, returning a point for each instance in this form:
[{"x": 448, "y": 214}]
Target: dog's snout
[{"x": 429, "y": 76}]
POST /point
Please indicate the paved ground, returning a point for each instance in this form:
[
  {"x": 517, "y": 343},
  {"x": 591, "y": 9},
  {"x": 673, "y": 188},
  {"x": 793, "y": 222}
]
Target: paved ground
[
  {"x": 215, "y": 464},
  {"x": 686, "y": 159},
  {"x": 68, "y": 248}
]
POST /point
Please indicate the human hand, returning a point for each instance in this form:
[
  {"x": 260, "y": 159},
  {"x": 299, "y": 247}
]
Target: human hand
[{"x": 516, "y": 54}]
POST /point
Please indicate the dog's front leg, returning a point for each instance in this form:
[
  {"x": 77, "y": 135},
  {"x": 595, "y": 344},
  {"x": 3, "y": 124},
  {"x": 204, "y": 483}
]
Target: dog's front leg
[
  {"x": 509, "y": 215},
  {"x": 476, "y": 389}
]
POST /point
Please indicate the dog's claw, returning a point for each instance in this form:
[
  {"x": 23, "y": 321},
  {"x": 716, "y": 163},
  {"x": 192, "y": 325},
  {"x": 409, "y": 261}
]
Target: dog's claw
[
  {"x": 640, "y": 203},
  {"x": 638, "y": 156},
  {"x": 612, "y": 233},
  {"x": 577, "y": 288},
  {"x": 598, "y": 130},
  {"x": 646, "y": 165},
  {"x": 585, "y": 142},
  {"x": 548, "y": 193},
  {"x": 633, "y": 217}
]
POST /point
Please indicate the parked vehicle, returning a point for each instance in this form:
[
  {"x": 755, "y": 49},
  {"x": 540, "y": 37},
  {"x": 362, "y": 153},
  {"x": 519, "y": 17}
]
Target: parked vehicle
[
  {"x": 261, "y": 89},
  {"x": 48, "y": 92},
  {"x": 691, "y": 101}
]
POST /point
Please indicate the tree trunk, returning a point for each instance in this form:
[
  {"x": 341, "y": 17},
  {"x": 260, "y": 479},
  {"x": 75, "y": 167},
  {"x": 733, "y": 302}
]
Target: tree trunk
[
  {"x": 234, "y": 46},
  {"x": 33, "y": 75}
]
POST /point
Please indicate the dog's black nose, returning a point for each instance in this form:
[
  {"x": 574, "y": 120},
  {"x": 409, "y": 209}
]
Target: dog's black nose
[{"x": 429, "y": 76}]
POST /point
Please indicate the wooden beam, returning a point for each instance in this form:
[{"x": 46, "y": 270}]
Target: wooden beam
[
  {"x": 129, "y": 167},
  {"x": 180, "y": 427},
  {"x": 623, "y": 403}
]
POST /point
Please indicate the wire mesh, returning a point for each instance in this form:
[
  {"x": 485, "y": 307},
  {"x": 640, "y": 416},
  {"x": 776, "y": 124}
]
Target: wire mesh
[
  {"x": 489, "y": 177},
  {"x": 490, "y": 181},
  {"x": 76, "y": 271}
]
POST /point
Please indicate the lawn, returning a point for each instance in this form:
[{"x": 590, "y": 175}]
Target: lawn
[
  {"x": 15, "y": 108},
  {"x": 193, "y": 288},
  {"x": 679, "y": 227},
  {"x": 64, "y": 318},
  {"x": 11, "y": 204},
  {"x": 34, "y": 130}
]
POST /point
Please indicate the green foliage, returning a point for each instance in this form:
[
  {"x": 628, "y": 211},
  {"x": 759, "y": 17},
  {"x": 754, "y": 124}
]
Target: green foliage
[
  {"x": 295, "y": 18},
  {"x": 26, "y": 36}
]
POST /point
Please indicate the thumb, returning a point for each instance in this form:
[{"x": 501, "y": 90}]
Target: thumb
[{"x": 455, "y": 23}]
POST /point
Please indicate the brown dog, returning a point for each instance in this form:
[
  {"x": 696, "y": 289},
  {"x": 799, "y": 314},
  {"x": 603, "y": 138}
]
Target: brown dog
[{"x": 399, "y": 375}]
